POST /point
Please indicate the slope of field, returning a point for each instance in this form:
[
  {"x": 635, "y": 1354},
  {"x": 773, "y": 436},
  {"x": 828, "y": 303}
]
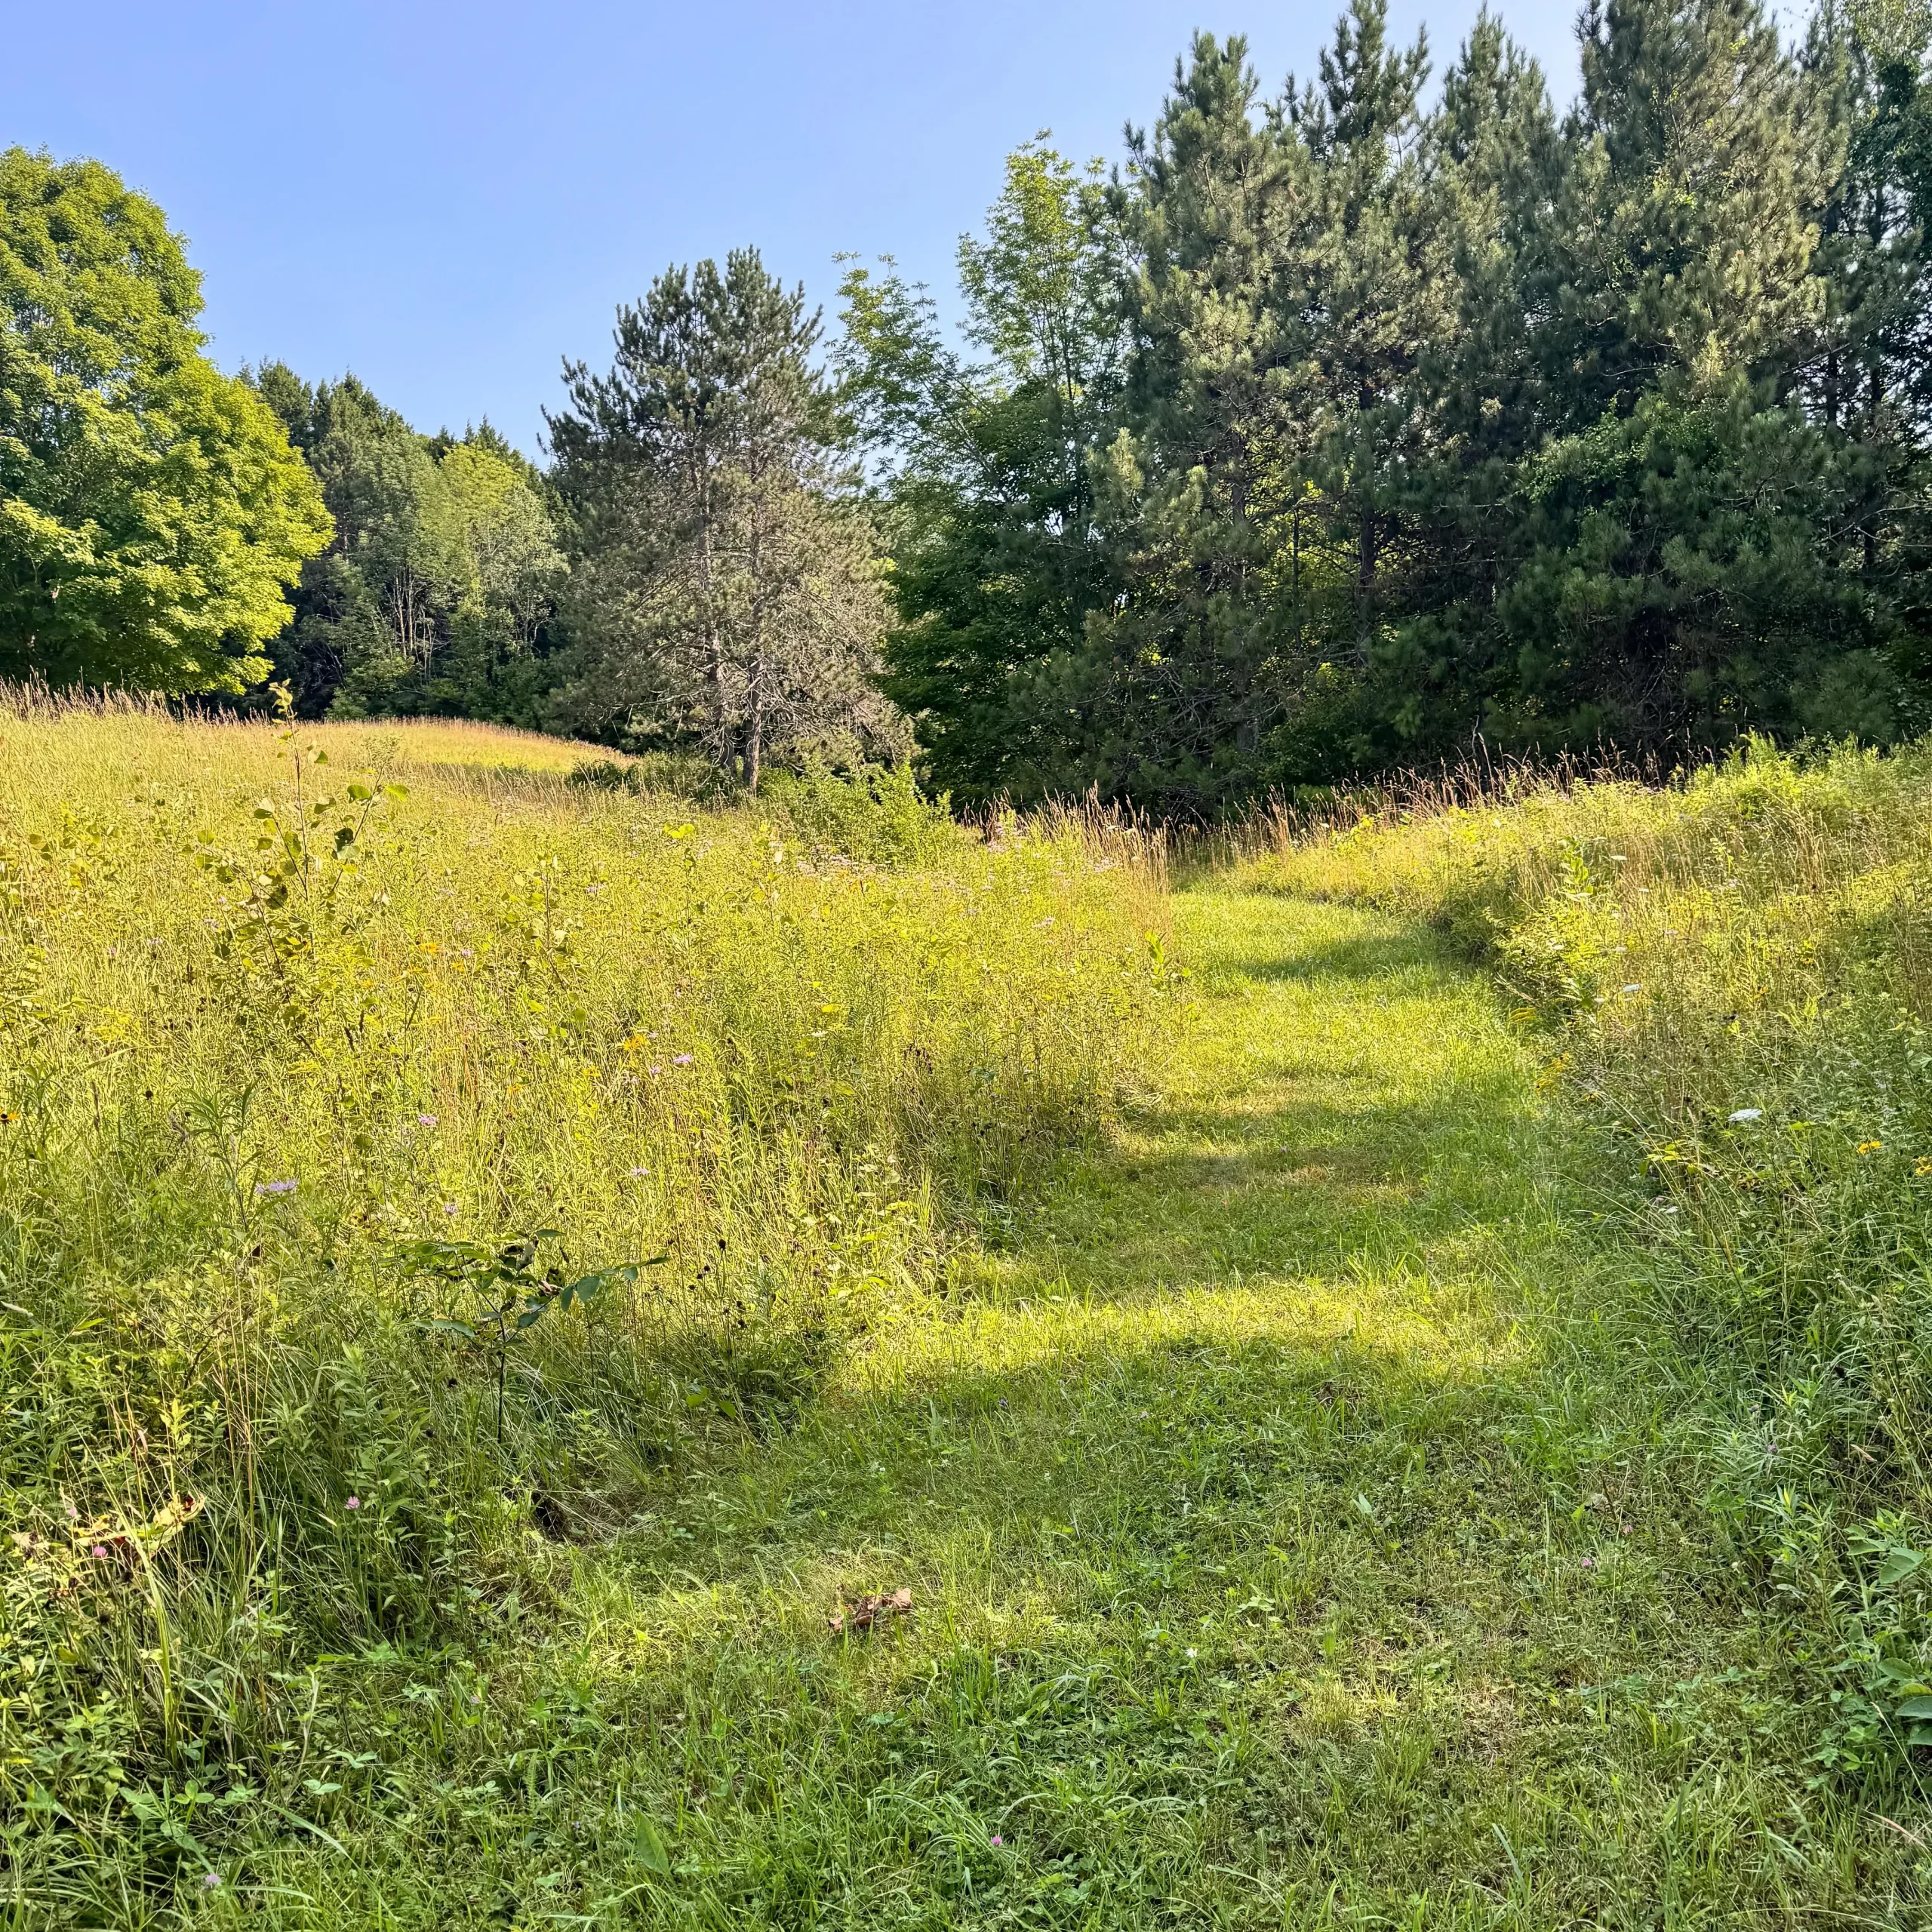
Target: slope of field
[{"x": 1253, "y": 1376}]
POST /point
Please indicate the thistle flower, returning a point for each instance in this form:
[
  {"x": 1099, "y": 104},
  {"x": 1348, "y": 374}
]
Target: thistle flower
[{"x": 354, "y": 1502}]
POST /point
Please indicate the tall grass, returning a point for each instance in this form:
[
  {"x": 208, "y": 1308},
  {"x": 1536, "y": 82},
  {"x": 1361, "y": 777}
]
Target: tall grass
[
  {"x": 1736, "y": 969},
  {"x": 329, "y": 1059}
]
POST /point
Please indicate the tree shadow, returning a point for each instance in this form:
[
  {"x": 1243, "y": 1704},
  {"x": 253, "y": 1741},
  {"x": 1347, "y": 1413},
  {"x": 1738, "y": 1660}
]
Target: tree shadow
[
  {"x": 1270, "y": 1242},
  {"x": 1374, "y": 955}
]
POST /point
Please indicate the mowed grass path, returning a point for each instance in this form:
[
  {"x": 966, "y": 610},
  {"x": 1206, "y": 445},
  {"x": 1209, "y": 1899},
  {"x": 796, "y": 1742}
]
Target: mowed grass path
[{"x": 1300, "y": 1529}]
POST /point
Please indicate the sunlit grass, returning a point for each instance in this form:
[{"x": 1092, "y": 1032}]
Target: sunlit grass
[
  {"x": 1734, "y": 973},
  {"x": 1250, "y": 1359}
]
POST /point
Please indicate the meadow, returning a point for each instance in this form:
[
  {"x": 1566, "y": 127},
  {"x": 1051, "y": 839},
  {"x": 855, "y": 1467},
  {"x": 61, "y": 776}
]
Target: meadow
[{"x": 574, "y": 1356}]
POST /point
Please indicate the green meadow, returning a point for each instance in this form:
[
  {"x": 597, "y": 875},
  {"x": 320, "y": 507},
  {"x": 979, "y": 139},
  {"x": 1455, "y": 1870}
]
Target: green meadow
[{"x": 573, "y": 1357}]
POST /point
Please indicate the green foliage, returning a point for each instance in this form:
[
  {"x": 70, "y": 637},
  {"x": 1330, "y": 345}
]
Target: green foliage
[
  {"x": 151, "y": 513},
  {"x": 509, "y": 1293},
  {"x": 681, "y": 774},
  {"x": 992, "y": 482},
  {"x": 1297, "y": 1519},
  {"x": 876, "y": 814},
  {"x": 437, "y": 594},
  {"x": 1383, "y": 423},
  {"x": 296, "y": 1384},
  {"x": 726, "y": 593}
]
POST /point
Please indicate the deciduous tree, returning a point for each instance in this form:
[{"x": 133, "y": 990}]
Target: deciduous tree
[{"x": 152, "y": 515}]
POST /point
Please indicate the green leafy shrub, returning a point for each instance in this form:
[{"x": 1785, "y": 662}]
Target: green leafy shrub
[{"x": 874, "y": 813}]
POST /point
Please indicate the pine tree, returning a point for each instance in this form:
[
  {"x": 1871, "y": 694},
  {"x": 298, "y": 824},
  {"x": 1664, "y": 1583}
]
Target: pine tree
[
  {"x": 724, "y": 593},
  {"x": 1442, "y": 422},
  {"x": 1176, "y": 683},
  {"x": 1494, "y": 163},
  {"x": 1678, "y": 585}
]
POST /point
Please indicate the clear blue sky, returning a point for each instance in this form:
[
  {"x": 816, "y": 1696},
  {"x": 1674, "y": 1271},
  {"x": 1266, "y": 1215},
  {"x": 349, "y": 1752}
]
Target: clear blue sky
[{"x": 448, "y": 199}]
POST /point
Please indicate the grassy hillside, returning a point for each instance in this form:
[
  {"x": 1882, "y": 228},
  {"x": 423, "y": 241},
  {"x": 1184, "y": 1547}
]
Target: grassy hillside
[
  {"x": 1325, "y": 1485},
  {"x": 311, "y": 1042},
  {"x": 1733, "y": 977}
]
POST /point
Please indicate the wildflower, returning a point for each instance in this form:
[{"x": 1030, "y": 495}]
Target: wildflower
[
  {"x": 73, "y": 1515},
  {"x": 426, "y": 1120},
  {"x": 1191, "y": 1651},
  {"x": 210, "y": 1880},
  {"x": 1744, "y": 1113},
  {"x": 1922, "y": 1165},
  {"x": 449, "y": 1207},
  {"x": 1590, "y": 1563},
  {"x": 354, "y": 1502},
  {"x": 680, "y": 1059},
  {"x": 655, "y": 1071},
  {"x": 998, "y": 1840},
  {"x": 274, "y": 1187},
  {"x": 1871, "y": 1146},
  {"x": 640, "y": 1172},
  {"x": 101, "y": 1552}
]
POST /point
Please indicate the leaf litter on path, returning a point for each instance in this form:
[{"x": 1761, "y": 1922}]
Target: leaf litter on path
[{"x": 867, "y": 1613}]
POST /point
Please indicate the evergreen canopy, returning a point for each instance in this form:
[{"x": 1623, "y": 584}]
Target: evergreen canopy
[{"x": 1344, "y": 426}]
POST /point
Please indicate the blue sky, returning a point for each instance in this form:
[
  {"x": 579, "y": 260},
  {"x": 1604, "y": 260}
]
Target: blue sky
[{"x": 449, "y": 199}]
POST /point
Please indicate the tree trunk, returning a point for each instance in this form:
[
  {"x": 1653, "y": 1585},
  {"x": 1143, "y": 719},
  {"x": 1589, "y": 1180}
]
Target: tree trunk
[
  {"x": 1365, "y": 584},
  {"x": 714, "y": 643},
  {"x": 755, "y": 725}
]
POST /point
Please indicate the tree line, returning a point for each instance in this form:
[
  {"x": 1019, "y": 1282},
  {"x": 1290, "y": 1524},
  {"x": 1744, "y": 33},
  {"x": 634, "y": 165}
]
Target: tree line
[
  {"x": 1329, "y": 430},
  {"x": 696, "y": 569},
  {"x": 1337, "y": 429}
]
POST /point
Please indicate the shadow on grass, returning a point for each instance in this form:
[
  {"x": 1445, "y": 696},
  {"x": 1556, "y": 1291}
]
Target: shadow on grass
[
  {"x": 1269, "y": 1261},
  {"x": 1253, "y": 1557},
  {"x": 1378, "y": 955}
]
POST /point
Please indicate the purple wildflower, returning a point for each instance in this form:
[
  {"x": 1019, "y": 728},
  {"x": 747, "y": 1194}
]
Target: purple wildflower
[
  {"x": 210, "y": 1880},
  {"x": 101, "y": 1552},
  {"x": 274, "y": 1187},
  {"x": 354, "y": 1502},
  {"x": 680, "y": 1059},
  {"x": 426, "y": 1120},
  {"x": 998, "y": 1839}
]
